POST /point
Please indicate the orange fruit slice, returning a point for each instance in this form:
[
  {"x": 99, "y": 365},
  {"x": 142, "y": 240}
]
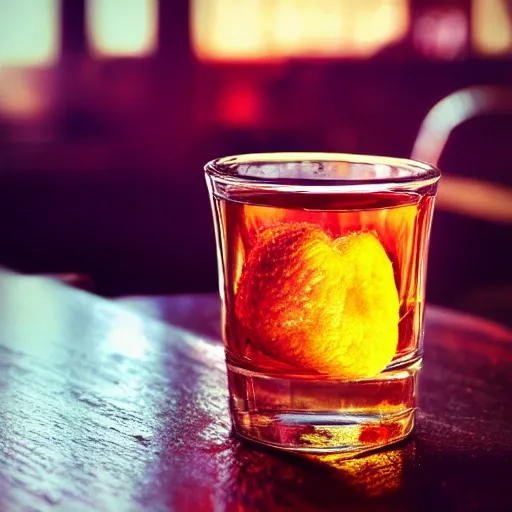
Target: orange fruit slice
[{"x": 320, "y": 304}]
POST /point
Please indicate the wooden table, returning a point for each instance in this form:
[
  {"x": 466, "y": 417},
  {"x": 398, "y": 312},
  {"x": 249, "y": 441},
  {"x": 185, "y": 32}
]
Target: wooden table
[{"x": 105, "y": 408}]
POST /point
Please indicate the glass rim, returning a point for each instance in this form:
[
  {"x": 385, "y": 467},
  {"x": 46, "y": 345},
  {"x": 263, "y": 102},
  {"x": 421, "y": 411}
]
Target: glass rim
[{"x": 225, "y": 169}]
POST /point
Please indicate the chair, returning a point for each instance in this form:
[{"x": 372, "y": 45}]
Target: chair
[
  {"x": 475, "y": 198},
  {"x": 470, "y": 258}
]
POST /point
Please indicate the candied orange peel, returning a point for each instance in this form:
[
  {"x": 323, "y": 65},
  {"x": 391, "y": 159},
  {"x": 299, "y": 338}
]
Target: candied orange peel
[{"x": 320, "y": 304}]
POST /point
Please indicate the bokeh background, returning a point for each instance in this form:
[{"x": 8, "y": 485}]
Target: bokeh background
[{"x": 110, "y": 108}]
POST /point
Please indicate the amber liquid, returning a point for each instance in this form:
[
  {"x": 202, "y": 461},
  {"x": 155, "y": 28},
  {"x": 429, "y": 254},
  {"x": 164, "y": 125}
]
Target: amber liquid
[{"x": 401, "y": 222}]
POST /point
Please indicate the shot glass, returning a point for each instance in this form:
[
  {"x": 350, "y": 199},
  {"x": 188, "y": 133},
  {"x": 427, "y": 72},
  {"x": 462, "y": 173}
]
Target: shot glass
[{"x": 322, "y": 262}]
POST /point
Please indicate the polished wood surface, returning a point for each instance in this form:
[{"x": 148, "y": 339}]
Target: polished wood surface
[{"x": 119, "y": 407}]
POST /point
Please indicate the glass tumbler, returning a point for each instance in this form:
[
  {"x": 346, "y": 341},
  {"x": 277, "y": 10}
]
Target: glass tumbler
[{"x": 322, "y": 261}]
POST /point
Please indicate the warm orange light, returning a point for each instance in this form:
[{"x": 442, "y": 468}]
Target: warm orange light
[
  {"x": 492, "y": 27},
  {"x": 29, "y": 32},
  {"x": 252, "y": 30},
  {"x": 124, "y": 28},
  {"x": 377, "y": 474},
  {"x": 23, "y": 95}
]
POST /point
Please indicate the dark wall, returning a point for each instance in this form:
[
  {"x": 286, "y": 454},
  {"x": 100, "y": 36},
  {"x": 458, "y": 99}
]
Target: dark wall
[{"x": 130, "y": 235}]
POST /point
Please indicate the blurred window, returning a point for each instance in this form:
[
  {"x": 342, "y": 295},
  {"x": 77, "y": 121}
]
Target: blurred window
[
  {"x": 122, "y": 28},
  {"x": 29, "y": 32},
  {"x": 277, "y": 29},
  {"x": 492, "y": 27}
]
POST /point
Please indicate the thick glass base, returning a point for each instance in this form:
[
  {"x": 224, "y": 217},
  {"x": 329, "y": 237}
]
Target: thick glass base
[{"x": 320, "y": 415}]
